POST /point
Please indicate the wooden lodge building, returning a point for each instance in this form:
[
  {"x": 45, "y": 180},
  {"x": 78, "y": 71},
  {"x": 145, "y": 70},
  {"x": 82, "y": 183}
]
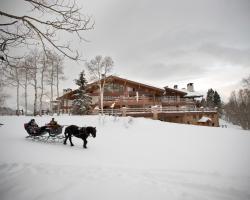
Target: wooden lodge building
[{"x": 129, "y": 98}]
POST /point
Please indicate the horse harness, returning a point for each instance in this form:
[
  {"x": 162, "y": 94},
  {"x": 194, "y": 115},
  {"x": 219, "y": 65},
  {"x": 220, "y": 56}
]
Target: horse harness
[{"x": 84, "y": 132}]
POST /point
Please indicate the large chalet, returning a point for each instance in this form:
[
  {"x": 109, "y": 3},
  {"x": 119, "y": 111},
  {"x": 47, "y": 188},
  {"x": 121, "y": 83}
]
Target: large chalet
[{"x": 129, "y": 98}]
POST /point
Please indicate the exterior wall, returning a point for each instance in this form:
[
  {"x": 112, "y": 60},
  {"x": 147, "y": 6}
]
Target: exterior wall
[
  {"x": 95, "y": 100},
  {"x": 126, "y": 94},
  {"x": 190, "y": 118},
  {"x": 183, "y": 117},
  {"x": 66, "y": 105}
]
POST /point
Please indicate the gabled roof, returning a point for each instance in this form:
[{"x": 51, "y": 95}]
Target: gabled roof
[
  {"x": 172, "y": 90},
  {"x": 70, "y": 94},
  {"x": 112, "y": 77},
  {"x": 184, "y": 92}
]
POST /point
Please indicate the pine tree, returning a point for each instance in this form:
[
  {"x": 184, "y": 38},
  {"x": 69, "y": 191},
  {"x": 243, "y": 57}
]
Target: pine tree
[
  {"x": 82, "y": 101},
  {"x": 217, "y": 100},
  {"x": 203, "y": 102},
  {"x": 210, "y": 98}
]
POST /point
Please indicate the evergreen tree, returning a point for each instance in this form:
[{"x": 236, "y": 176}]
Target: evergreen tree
[
  {"x": 82, "y": 101},
  {"x": 203, "y": 102},
  {"x": 217, "y": 100},
  {"x": 210, "y": 98}
]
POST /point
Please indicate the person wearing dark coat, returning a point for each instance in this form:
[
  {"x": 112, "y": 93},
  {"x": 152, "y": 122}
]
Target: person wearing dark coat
[
  {"x": 32, "y": 123},
  {"x": 32, "y": 127}
]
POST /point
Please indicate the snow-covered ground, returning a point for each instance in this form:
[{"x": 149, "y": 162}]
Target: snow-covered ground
[
  {"x": 131, "y": 158},
  {"x": 224, "y": 124}
]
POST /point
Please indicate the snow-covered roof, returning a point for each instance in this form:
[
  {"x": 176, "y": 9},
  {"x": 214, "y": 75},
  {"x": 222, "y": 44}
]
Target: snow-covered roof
[
  {"x": 175, "y": 90},
  {"x": 192, "y": 94},
  {"x": 204, "y": 119}
]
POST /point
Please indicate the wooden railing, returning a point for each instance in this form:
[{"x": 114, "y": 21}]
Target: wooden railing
[
  {"x": 113, "y": 99},
  {"x": 155, "y": 109},
  {"x": 164, "y": 100}
]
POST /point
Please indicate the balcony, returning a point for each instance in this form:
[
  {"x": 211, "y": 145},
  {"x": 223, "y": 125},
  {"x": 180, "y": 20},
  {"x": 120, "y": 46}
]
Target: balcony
[
  {"x": 144, "y": 100},
  {"x": 129, "y": 101},
  {"x": 166, "y": 101},
  {"x": 169, "y": 110}
]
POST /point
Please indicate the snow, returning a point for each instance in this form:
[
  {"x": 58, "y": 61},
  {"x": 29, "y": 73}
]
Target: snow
[
  {"x": 191, "y": 93},
  {"x": 131, "y": 158},
  {"x": 223, "y": 123},
  {"x": 204, "y": 119}
]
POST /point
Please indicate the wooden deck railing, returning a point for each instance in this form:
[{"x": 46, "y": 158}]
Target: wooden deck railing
[
  {"x": 139, "y": 99},
  {"x": 155, "y": 109}
]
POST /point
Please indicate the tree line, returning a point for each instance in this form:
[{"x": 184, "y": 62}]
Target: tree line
[
  {"x": 212, "y": 100},
  {"x": 237, "y": 110},
  {"x": 38, "y": 72}
]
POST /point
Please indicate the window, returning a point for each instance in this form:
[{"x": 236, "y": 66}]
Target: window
[
  {"x": 130, "y": 89},
  {"x": 113, "y": 87}
]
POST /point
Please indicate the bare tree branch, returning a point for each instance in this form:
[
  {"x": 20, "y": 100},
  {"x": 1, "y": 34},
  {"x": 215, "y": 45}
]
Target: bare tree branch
[{"x": 27, "y": 30}]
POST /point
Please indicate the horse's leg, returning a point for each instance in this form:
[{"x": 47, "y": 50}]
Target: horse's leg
[
  {"x": 66, "y": 137},
  {"x": 85, "y": 143},
  {"x": 70, "y": 139}
]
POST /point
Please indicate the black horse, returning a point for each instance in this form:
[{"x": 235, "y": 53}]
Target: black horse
[{"x": 80, "y": 132}]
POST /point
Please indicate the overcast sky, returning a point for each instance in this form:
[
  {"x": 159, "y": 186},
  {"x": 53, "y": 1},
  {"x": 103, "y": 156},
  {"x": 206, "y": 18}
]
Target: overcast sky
[{"x": 167, "y": 42}]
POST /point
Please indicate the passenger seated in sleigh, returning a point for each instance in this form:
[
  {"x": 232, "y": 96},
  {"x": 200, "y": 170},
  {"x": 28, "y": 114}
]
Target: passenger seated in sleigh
[
  {"x": 33, "y": 129},
  {"x": 53, "y": 124},
  {"x": 54, "y": 127}
]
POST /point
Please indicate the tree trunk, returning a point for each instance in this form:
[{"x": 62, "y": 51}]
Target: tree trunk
[
  {"x": 42, "y": 88},
  {"x": 35, "y": 98},
  {"x": 17, "y": 100},
  {"x": 102, "y": 101},
  {"x": 17, "y": 93},
  {"x": 101, "y": 98},
  {"x": 51, "y": 89},
  {"x": 25, "y": 92},
  {"x": 51, "y": 98},
  {"x": 57, "y": 88}
]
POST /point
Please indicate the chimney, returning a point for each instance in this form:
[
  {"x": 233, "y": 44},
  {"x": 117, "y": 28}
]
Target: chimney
[
  {"x": 103, "y": 76},
  {"x": 176, "y": 87},
  {"x": 190, "y": 87}
]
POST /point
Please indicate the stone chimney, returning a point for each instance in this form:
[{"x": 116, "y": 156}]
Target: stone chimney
[
  {"x": 176, "y": 87},
  {"x": 190, "y": 87}
]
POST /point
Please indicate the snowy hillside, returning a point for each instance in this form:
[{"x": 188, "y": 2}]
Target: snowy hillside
[{"x": 131, "y": 158}]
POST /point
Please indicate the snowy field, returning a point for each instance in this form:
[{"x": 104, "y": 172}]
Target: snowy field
[{"x": 130, "y": 159}]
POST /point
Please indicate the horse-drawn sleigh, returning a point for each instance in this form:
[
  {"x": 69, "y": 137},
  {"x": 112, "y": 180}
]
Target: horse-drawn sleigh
[{"x": 53, "y": 133}]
